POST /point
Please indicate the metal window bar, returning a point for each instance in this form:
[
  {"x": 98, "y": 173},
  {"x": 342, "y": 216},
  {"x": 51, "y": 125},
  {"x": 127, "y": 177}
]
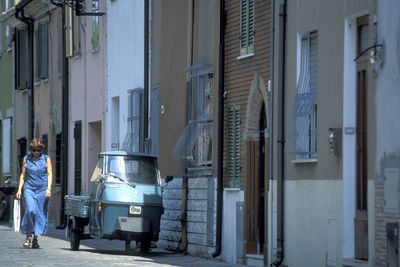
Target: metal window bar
[
  {"x": 134, "y": 141},
  {"x": 301, "y": 137},
  {"x": 194, "y": 147}
]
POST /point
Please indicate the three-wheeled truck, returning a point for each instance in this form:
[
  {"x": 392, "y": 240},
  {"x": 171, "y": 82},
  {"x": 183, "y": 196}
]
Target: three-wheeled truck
[{"x": 125, "y": 202}]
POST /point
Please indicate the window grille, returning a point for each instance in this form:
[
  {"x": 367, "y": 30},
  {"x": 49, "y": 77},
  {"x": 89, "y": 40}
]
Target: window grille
[
  {"x": 246, "y": 27},
  {"x": 95, "y": 25},
  {"x": 302, "y": 135},
  {"x": 194, "y": 147},
  {"x": 233, "y": 170},
  {"x": 134, "y": 141}
]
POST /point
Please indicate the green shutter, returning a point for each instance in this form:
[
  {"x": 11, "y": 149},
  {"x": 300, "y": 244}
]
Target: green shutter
[
  {"x": 21, "y": 60},
  {"x": 233, "y": 170},
  {"x": 246, "y": 27},
  {"x": 43, "y": 50}
]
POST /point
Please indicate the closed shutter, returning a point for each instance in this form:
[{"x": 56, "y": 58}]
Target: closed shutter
[
  {"x": 246, "y": 27},
  {"x": 43, "y": 51},
  {"x": 234, "y": 146},
  {"x": 21, "y": 60}
]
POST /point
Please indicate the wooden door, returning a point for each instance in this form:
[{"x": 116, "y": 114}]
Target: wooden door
[
  {"x": 251, "y": 198},
  {"x": 361, "y": 216}
]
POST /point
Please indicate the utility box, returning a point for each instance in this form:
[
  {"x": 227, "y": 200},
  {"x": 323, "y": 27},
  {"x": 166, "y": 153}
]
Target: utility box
[{"x": 239, "y": 231}]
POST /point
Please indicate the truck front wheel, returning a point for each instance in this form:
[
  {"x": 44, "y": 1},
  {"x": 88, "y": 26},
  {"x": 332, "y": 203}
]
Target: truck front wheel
[{"x": 74, "y": 239}]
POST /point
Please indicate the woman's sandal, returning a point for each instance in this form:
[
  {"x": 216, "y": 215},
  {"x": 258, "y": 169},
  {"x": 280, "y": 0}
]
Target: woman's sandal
[
  {"x": 27, "y": 241},
  {"x": 35, "y": 243}
]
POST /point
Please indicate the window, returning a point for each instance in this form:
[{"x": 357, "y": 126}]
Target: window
[
  {"x": 302, "y": 138},
  {"x": 8, "y": 36},
  {"x": 22, "y": 66},
  {"x": 95, "y": 25},
  {"x": 194, "y": 147},
  {"x": 233, "y": 170},
  {"x": 72, "y": 33},
  {"x": 246, "y": 27},
  {"x": 42, "y": 51},
  {"x": 76, "y": 34}
]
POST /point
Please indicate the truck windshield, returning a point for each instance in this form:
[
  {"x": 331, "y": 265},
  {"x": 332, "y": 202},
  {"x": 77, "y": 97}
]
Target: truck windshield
[{"x": 134, "y": 170}]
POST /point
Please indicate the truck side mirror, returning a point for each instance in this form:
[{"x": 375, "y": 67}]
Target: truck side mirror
[{"x": 102, "y": 177}]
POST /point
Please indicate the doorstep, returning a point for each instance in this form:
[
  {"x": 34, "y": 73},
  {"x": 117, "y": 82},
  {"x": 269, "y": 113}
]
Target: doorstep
[
  {"x": 255, "y": 259},
  {"x": 354, "y": 263}
]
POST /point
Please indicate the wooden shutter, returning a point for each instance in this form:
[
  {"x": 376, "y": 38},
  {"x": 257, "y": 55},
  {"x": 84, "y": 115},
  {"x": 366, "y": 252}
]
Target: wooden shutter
[
  {"x": 21, "y": 66},
  {"x": 234, "y": 146},
  {"x": 78, "y": 156},
  {"x": 43, "y": 50},
  {"x": 246, "y": 27}
]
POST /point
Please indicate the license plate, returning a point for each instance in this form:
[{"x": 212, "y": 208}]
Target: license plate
[{"x": 135, "y": 210}]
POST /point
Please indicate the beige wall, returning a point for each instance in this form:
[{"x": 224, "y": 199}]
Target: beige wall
[
  {"x": 173, "y": 55},
  {"x": 87, "y": 100}
]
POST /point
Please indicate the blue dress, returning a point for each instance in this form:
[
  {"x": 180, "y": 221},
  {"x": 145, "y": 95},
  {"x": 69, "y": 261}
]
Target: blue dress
[{"x": 35, "y": 218}]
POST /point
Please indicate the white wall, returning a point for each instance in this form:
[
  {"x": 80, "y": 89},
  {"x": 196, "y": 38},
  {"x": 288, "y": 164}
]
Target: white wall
[
  {"x": 125, "y": 58},
  {"x": 349, "y": 140},
  {"x": 388, "y": 81}
]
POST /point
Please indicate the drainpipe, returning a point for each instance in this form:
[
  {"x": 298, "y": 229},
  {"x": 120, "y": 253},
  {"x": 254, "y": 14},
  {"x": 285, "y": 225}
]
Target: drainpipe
[
  {"x": 221, "y": 85},
  {"x": 281, "y": 132},
  {"x": 145, "y": 145},
  {"x": 64, "y": 131},
  {"x": 29, "y": 23},
  {"x": 271, "y": 112}
]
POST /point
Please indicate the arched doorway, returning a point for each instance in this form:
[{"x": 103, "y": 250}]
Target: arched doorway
[{"x": 257, "y": 169}]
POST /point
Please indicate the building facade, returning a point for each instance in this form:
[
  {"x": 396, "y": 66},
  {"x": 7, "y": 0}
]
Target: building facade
[
  {"x": 247, "y": 120},
  {"x": 322, "y": 206}
]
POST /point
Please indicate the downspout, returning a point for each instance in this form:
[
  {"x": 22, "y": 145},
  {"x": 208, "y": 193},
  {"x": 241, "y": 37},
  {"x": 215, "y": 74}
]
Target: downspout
[
  {"x": 271, "y": 115},
  {"x": 145, "y": 146},
  {"x": 221, "y": 85},
  {"x": 64, "y": 130},
  {"x": 29, "y": 24},
  {"x": 281, "y": 132}
]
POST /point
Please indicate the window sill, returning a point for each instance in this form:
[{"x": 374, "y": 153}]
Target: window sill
[
  {"x": 231, "y": 189},
  {"x": 301, "y": 161},
  {"x": 245, "y": 56},
  {"x": 95, "y": 50}
]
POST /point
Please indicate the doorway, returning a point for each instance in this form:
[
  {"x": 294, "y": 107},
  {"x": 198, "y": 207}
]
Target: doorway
[
  {"x": 255, "y": 193},
  {"x": 361, "y": 214}
]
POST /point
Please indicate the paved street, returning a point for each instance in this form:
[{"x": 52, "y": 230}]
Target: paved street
[{"x": 55, "y": 251}]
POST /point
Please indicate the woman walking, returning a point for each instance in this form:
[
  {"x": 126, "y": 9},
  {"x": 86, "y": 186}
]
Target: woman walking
[{"x": 35, "y": 180}]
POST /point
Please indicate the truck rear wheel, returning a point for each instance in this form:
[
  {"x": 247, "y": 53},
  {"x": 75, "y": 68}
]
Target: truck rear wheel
[{"x": 145, "y": 245}]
